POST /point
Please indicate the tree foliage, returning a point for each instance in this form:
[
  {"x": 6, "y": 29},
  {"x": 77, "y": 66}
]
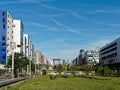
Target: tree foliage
[
  {"x": 20, "y": 61},
  {"x": 59, "y": 68}
]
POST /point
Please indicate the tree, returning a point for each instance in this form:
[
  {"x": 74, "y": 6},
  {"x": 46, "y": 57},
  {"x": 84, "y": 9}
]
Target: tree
[
  {"x": 73, "y": 68},
  {"x": 54, "y": 67},
  {"x": 59, "y": 68},
  {"x": 20, "y": 61},
  {"x": 32, "y": 67}
]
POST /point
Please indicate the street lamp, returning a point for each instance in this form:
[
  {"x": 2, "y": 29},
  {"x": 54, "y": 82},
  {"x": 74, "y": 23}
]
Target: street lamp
[
  {"x": 30, "y": 65},
  {"x": 20, "y": 64},
  {"x": 12, "y": 47}
]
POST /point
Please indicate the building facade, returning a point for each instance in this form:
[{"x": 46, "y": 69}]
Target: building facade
[
  {"x": 39, "y": 58},
  {"x": 80, "y": 59},
  {"x": 6, "y": 35},
  {"x": 92, "y": 57},
  {"x": 26, "y": 44},
  {"x": 28, "y": 47},
  {"x": 11, "y": 32},
  {"x": 88, "y": 57},
  {"x": 110, "y": 53},
  {"x": 18, "y": 35}
]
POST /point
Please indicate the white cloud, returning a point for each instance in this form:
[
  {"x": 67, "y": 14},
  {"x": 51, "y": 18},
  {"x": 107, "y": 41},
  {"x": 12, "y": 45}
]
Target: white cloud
[
  {"x": 44, "y": 27},
  {"x": 23, "y": 1},
  {"x": 56, "y": 22},
  {"x": 85, "y": 18},
  {"x": 68, "y": 29},
  {"x": 46, "y": 15},
  {"x": 104, "y": 11},
  {"x": 64, "y": 10},
  {"x": 19, "y": 1},
  {"x": 100, "y": 43},
  {"x": 57, "y": 48}
]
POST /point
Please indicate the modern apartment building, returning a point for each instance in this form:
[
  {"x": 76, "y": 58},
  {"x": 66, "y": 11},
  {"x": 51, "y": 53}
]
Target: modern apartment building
[
  {"x": 80, "y": 59},
  {"x": 28, "y": 47},
  {"x": 6, "y": 35},
  {"x": 39, "y": 58},
  {"x": 26, "y": 44},
  {"x": 18, "y": 35},
  {"x": 110, "y": 53},
  {"x": 31, "y": 51},
  {"x": 92, "y": 56},
  {"x": 11, "y": 34},
  {"x": 88, "y": 57}
]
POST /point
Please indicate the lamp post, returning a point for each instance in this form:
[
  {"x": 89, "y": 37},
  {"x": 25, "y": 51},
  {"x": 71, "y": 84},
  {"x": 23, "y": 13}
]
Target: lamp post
[
  {"x": 30, "y": 66},
  {"x": 13, "y": 47},
  {"x": 35, "y": 68},
  {"x": 27, "y": 69},
  {"x": 20, "y": 64}
]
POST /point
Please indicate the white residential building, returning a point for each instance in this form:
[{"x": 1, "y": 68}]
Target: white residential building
[
  {"x": 92, "y": 56},
  {"x": 39, "y": 58},
  {"x": 31, "y": 51},
  {"x": 28, "y": 48},
  {"x": 6, "y": 35},
  {"x": 18, "y": 35},
  {"x": 26, "y": 44},
  {"x": 10, "y": 31}
]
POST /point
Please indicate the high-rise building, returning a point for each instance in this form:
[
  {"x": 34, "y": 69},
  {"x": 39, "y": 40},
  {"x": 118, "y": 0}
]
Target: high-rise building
[
  {"x": 88, "y": 57},
  {"x": 80, "y": 59},
  {"x": 26, "y": 44},
  {"x": 6, "y": 35},
  {"x": 18, "y": 35},
  {"x": 92, "y": 57},
  {"x": 39, "y": 58},
  {"x": 28, "y": 48},
  {"x": 110, "y": 54},
  {"x": 11, "y": 34},
  {"x": 31, "y": 51}
]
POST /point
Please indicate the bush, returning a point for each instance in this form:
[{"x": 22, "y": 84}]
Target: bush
[
  {"x": 52, "y": 77},
  {"x": 104, "y": 71},
  {"x": 67, "y": 75},
  {"x": 43, "y": 72}
]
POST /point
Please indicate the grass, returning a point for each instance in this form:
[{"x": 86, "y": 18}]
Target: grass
[{"x": 74, "y": 83}]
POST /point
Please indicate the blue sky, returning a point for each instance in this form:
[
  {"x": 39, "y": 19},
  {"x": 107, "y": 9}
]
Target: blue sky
[{"x": 60, "y": 28}]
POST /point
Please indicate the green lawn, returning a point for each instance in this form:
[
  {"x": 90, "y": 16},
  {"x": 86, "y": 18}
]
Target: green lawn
[{"x": 76, "y": 83}]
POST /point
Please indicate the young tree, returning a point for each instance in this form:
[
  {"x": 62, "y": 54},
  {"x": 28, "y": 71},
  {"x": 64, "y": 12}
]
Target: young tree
[
  {"x": 20, "y": 61},
  {"x": 59, "y": 68}
]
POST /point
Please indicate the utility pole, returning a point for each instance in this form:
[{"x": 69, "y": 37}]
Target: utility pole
[
  {"x": 27, "y": 69},
  {"x": 30, "y": 67},
  {"x": 13, "y": 47},
  {"x": 35, "y": 68},
  {"x": 12, "y": 64}
]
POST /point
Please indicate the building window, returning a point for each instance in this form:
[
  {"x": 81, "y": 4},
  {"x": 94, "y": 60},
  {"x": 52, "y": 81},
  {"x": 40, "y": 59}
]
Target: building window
[
  {"x": 3, "y": 20},
  {"x": 3, "y": 14},
  {"x": 13, "y": 25},
  {"x": 3, "y": 38},
  {"x": 3, "y": 50},
  {"x": 3, "y": 26},
  {"x": 8, "y": 15},
  {"x": 18, "y": 45},
  {"x": 7, "y": 51},
  {"x": 7, "y": 44},
  {"x": 3, "y": 57},
  {"x": 3, "y": 45}
]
